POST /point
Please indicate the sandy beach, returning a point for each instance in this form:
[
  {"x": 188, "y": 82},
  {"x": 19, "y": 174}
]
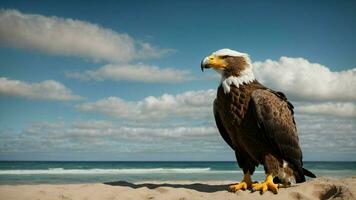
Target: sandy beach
[{"x": 320, "y": 188}]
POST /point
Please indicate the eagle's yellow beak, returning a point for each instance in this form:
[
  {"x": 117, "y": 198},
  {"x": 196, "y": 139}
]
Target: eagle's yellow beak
[{"x": 213, "y": 61}]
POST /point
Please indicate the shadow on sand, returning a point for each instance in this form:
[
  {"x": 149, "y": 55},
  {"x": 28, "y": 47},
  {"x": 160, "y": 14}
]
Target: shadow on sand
[{"x": 195, "y": 186}]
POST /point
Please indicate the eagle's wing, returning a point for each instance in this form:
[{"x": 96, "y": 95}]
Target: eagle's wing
[
  {"x": 220, "y": 126},
  {"x": 276, "y": 121}
]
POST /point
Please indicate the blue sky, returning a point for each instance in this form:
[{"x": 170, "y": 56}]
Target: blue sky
[{"x": 120, "y": 80}]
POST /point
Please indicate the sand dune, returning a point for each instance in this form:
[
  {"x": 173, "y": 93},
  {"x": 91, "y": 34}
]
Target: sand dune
[{"x": 320, "y": 188}]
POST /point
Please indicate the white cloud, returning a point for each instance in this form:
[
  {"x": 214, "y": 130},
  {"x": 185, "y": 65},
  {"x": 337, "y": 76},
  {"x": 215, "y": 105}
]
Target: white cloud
[
  {"x": 64, "y": 36},
  {"x": 48, "y": 90},
  {"x": 302, "y": 80},
  {"x": 191, "y": 104},
  {"x": 338, "y": 109},
  {"x": 133, "y": 72}
]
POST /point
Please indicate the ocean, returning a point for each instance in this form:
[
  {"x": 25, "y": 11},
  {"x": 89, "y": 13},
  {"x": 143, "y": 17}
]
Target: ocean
[{"x": 54, "y": 172}]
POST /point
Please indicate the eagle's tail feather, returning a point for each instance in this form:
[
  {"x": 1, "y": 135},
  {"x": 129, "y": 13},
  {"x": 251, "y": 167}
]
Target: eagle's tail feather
[
  {"x": 308, "y": 173},
  {"x": 301, "y": 173},
  {"x": 299, "y": 176}
]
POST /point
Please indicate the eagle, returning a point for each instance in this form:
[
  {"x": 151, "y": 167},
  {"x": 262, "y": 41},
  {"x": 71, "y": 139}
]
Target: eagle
[{"x": 257, "y": 123}]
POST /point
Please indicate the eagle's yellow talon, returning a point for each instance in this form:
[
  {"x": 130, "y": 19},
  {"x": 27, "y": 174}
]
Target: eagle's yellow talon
[
  {"x": 266, "y": 185},
  {"x": 238, "y": 186},
  {"x": 243, "y": 185}
]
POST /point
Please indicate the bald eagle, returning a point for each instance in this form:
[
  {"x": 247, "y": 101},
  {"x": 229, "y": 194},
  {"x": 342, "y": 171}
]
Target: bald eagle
[{"x": 256, "y": 122}]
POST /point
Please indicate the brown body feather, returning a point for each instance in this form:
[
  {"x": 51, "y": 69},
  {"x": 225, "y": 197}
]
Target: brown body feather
[{"x": 258, "y": 124}]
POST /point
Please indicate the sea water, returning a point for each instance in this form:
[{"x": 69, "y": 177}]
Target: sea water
[{"x": 53, "y": 172}]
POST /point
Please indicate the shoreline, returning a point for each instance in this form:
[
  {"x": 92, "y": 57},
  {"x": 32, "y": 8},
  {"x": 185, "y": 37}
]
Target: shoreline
[{"x": 319, "y": 188}]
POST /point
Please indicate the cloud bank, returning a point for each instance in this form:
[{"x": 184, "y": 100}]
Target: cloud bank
[
  {"x": 46, "y": 90},
  {"x": 316, "y": 133},
  {"x": 64, "y": 36},
  {"x": 322, "y": 133},
  {"x": 88, "y": 135},
  {"x": 337, "y": 109}
]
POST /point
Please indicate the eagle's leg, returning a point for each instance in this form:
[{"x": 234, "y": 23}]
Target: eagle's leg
[
  {"x": 271, "y": 166},
  {"x": 243, "y": 185},
  {"x": 268, "y": 184}
]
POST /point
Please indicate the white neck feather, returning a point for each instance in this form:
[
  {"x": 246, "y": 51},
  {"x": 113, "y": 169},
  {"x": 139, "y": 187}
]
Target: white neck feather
[{"x": 246, "y": 76}]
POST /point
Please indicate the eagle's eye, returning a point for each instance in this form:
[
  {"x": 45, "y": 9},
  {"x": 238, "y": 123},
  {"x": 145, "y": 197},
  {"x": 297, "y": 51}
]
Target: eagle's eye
[{"x": 223, "y": 57}]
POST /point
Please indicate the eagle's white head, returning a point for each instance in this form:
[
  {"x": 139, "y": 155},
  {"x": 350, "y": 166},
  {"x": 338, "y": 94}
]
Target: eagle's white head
[{"x": 235, "y": 67}]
